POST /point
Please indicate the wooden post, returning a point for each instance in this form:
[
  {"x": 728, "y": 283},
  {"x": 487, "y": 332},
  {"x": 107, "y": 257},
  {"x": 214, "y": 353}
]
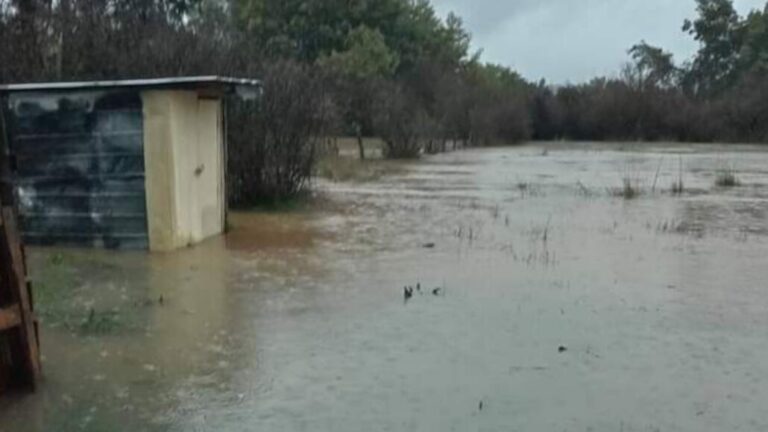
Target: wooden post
[{"x": 19, "y": 343}]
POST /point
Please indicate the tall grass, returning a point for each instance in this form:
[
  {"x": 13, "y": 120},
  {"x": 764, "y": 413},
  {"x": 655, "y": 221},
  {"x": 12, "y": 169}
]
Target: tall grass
[
  {"x": 678, "y": 187},
  {"x": 726, "y": 178},
  {"x": 630, "y": 189}
]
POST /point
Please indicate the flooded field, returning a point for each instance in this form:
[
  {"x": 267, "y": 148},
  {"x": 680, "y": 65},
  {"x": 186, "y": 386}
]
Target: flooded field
[{"x": 562, "y": 305}]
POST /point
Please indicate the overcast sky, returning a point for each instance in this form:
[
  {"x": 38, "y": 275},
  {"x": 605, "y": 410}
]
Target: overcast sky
[{"x": 575, "y": 40}]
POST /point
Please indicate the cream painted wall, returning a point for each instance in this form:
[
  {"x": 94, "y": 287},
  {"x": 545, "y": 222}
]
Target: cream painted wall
[
  {"x": 158, "y": 167},
  {"x": 210, "y": 171},
  {"x": 183, "y": 151}
]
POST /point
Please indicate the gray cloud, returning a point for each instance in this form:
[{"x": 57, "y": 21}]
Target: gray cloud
[
  {"x": 570, "y": 40},
  {"x": 490, "y": 13}
]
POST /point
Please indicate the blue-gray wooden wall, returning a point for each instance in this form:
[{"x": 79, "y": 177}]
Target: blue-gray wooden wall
[{"x": 78, "y": 164}]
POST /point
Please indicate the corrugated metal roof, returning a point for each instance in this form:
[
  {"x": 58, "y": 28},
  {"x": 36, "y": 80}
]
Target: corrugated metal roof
[{"x": 172, "y": 82}]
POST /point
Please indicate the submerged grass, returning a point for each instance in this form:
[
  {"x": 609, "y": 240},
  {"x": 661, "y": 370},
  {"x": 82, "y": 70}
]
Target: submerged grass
[
  {"x": 100, "y": 323},
  {"x": 678, "y": 187},
  {"x": 630, "y": 182},
  {"x": 299, "y": 202},
  {"x": 630, "y": 189},
  {"x": 344, "y": 169},
  {"x": 584, "y": 190},
  {"x": 64, "y": 298},
  {"x": 726, "y": 178}
]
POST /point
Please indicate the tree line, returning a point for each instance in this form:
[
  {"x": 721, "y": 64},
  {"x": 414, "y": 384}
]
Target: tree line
[
  {"x": 718, "y": 95},
  {"x": 387, "y": 68}
]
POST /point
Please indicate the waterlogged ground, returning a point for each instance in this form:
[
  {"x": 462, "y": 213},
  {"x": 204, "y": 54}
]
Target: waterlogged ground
[{"x": 296, "y": 321}]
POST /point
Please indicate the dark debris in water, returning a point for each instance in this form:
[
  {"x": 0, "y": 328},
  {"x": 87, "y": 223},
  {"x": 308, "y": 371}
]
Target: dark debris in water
[
  {"x": 410, "y": 291},
  {"x": 407, "y": 293}
]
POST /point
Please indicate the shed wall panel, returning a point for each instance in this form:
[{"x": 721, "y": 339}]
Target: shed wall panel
[
  {"x": 160, "y": 177},
  {"x": 79, "y": 167},
  {"x": 184, "y": 160},
  {"x": 209, "y": 174}
]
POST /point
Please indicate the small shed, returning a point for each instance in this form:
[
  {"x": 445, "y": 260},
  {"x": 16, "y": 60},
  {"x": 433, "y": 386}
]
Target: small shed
[{"x": 133, "y": 164}]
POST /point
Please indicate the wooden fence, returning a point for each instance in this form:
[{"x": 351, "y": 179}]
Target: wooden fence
[{"x": 19, "y": 341}]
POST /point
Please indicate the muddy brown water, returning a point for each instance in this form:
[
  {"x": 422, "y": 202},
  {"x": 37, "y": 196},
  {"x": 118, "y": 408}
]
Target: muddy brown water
[{"x": 296, "y": 321}]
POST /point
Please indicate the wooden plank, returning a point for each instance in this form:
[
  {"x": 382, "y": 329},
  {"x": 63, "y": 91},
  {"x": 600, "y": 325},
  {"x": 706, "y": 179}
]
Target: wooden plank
[
  {"x": 10, "y": 317},
  {"x": 18, "y": 284},
  {"x": 30, "y": 293},
  {"x": 20, "y": 343}
]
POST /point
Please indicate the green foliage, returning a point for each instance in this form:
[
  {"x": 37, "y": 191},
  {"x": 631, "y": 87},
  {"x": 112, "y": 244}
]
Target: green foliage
[
  {"x": 654, "y": 66},
  {"x": 720, "y": 94},
  {"x": 311, "y": 29},
  {"x": 496, "y": 105},
  {"x": 456, "y": 40},
  {"x": 367, "y": 55},
  {"x": 719, "y": 31},
  {"x": 754, "y": 50},
  {"x": 495, "y": 77}
]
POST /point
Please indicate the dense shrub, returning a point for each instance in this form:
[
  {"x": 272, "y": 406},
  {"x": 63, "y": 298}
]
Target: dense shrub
[
  {"x": 500, "y": 122},
  {"x": 273, "y": 141},
  {"x": 401, "y": 123}
]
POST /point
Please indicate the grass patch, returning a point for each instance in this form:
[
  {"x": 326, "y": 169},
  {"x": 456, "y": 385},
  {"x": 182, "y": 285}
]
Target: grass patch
[
  {"x": 62, "y": 300},
  {"x": 527, "y": 190},
  {"x": 630, "y": 189},
  {"x": 99, "y": 323},
  {"x": 53, "y": 283},
  {"x": 584, "y": 190},
  {"x": 678, "y": 187},
  {"x": 299, "y": 202},
  {"x": 726, "y": 178},
  {"x": 343, "y": 169}
]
